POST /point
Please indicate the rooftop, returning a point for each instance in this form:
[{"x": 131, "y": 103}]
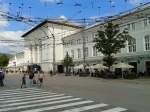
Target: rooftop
[{"x": 58, "y": 22}]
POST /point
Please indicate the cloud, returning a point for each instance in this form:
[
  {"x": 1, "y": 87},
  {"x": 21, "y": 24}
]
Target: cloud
[
  {"x": 11, "y": 35},
  {"x": 3, "y": 10},
  {"x": 11, "y": 40},
  {"x": 135, "y": 2}
]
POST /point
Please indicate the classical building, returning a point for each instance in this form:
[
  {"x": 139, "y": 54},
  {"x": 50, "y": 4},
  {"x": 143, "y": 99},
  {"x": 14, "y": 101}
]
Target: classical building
[
  {"x": 44, "y": 43},
  {"x": 80, "y": 45}
]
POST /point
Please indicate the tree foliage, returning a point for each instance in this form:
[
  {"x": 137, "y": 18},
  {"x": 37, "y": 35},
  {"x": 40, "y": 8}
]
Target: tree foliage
[
  {"x": 67, "y": 62},
  {"x": 109, "y": 41},
  {"x": 3, "y": 60}
]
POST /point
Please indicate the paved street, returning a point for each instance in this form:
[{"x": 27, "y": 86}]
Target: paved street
[
  {"x": 38, "y": 100},
  {"x": 61, "y": 93}
]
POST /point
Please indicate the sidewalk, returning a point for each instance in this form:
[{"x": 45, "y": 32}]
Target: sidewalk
[{"x": 142, "y": 81}]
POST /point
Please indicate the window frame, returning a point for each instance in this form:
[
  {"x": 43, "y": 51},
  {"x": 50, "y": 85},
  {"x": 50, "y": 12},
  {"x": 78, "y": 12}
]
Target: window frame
[{"x": 147, "y": 44}]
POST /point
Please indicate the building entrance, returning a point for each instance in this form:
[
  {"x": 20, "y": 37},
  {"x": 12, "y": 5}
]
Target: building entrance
[
  {"x": 60, "y": 68},
  {"x": 135, "y": 66},
  {"x": 147, "y": 65}
]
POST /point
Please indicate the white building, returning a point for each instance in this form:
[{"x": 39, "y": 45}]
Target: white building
[
  {"x": 17, "y": 62},
  {"x": 40, "y": 43},
  {"x": 136, "y": 52}
]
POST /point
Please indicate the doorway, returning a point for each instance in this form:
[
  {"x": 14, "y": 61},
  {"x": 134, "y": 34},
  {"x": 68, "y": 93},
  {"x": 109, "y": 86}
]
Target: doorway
[
  {"x": 60, "y": 68},
  {"x": 135, "y": 66},
  {"x": 147, "y": 66}
]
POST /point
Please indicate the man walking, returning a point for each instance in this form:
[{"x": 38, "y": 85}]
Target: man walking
[{"x": 2, "y": 76}]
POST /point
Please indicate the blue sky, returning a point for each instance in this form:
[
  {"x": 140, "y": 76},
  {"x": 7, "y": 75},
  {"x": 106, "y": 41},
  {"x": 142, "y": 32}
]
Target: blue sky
[
  {"x": 70, "y": 9},
  {"x": 51, "y": 9}
]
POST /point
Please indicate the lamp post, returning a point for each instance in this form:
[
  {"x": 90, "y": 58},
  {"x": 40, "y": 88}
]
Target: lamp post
[{"x": 54, "y": 60}]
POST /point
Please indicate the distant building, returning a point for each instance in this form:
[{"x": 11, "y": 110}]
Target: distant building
[
  {"x": 17, "y": 62},
  {"x": 137, "y": 50}
]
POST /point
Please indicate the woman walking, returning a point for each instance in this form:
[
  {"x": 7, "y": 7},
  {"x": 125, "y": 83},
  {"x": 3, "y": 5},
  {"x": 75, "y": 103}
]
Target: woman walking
[
  {"x": 31, "y": 76},
  {"x": 40, "y": 78}
]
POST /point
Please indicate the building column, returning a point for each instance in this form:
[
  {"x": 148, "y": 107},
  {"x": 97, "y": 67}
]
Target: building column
[
  {"x": 31, "y": 55},
  {"x": 34, "y": 54},
  {"x": 39, "y": 53}
]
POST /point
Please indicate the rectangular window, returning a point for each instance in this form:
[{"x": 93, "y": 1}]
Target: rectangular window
[
  {"x": 149, "y": 20},
  {"x": 79, "y": 53},
  {"x": 128, "y": 26},
  {"x": 72, "y": 53},
  {"x": 147, "y": 43},
  {"x": 79, "y": 41},
  {"x": 86, "y": 39},
  {"x": 132, "y": 45},
  {"x": 145, "y": 22},
  {"x": 71, "y": 42},
  {"x": 133, "y": 26},
  {"x": 86, "y": 52},
  {"x": 94, "y": 35},
  {"x": 94, "y": 51}
]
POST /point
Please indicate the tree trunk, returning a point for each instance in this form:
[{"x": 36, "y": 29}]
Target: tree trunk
[{"x": 66, "y": 70}]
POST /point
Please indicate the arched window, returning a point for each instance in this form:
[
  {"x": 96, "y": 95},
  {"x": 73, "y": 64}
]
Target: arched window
[
  {"x": 147, "y": 42},
  {"x": 132, "y": 45}
]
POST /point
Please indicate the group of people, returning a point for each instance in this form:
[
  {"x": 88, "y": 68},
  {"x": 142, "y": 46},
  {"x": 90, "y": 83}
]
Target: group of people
[
  {"x": 29, "y": 79},
  {"x": 2, "y": 76}
]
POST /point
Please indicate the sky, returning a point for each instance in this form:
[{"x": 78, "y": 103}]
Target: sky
[{"x": 74, "y": 10}]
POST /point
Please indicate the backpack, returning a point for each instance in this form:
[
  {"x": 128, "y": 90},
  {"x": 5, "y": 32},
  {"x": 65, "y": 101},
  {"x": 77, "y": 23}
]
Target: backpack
[
  {"x": 1, "y": 75},
  {"x": 31, "y": 75}
]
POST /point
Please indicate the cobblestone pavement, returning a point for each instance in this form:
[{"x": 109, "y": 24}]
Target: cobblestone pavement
[{"x": 116, "y": 94}]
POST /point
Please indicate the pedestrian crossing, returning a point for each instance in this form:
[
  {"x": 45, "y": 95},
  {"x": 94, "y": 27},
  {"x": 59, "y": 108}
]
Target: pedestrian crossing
[{"x": 38, "y": 100}]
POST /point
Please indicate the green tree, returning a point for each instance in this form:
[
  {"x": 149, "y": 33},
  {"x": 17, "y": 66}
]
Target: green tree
[
  {"x": 67, "y": 62},
  {"x": 109, "y": 41},
  {"x": 4, "y": 60}
]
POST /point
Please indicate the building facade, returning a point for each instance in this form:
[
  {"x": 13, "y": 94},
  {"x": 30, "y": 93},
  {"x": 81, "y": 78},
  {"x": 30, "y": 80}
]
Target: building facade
[
  {"x": 80, "y": 45},
  {"x": 44, "y": 43}
]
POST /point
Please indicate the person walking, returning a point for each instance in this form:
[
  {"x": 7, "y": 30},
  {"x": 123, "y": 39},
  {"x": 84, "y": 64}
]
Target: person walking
[
  {"x": 23, "y": 83},
  {"x": 51, "y": 73},
  {"x": 31, "y": 76},
  {"x": 41, "y": 77},
  {"x": 2, "y": 76}
]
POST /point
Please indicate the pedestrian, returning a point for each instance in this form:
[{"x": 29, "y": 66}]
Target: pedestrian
[
  {"x": 2, "y": 76},
  {"x": 41, "y": 76},
  {"x": 51, "y": 73},
  {"x": 23, "y": 83},
  {"x": 31, "y": 76}
]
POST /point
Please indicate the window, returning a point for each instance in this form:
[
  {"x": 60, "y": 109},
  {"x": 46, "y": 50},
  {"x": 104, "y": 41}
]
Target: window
[
  {"x": 94, "y": 36},
  {"x": 94, "y": 51},
  {"x": 71, "y": 42},
  {"x": 86, "y": 52},
  {"x": 72, "y": 53},
  {"x": 132, "y": 45},
  {"x": 149, "y": 20},
  {"x": 145, "y": 22},
  {"x": 79, "y": 41},
  {"x": 133, "y": 26},
  {"x": 147, "y": 42},
  {"x": 128, "y": 26},
  {"x": 86, "y": 39},
  {"x": 79, "y": 53}
]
